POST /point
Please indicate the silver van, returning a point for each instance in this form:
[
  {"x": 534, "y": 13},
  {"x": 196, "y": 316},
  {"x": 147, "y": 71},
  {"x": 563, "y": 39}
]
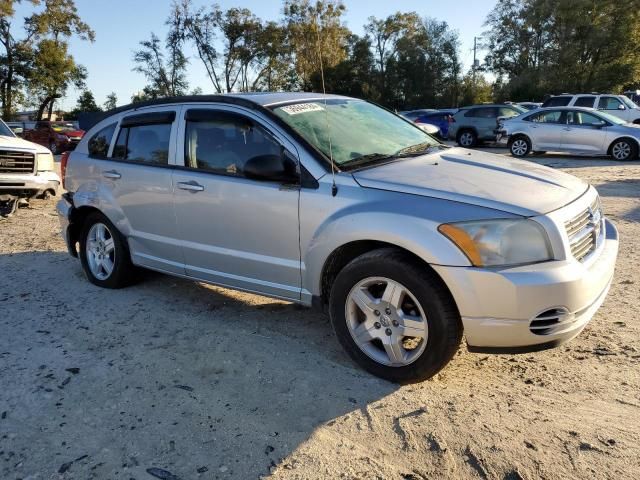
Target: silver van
[{"x": 339, "y": 204}]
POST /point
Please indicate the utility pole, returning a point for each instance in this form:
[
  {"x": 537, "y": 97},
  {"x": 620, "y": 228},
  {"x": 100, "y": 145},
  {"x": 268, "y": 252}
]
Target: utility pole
[{"x": 475, "y": 60}]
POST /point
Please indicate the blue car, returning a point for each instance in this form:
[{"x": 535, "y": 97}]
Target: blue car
[{"x": 440, "y": 119}]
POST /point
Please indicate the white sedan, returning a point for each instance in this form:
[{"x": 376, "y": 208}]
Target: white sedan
[{"x": 575, "y": 130}]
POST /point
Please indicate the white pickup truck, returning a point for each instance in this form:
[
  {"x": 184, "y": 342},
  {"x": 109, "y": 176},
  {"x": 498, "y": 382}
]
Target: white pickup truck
[{"x": 26, "y": 171}]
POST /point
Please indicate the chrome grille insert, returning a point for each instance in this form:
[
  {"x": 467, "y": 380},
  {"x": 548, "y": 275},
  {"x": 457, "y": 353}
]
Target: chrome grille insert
[
  {"x": 585, "y": 230},
  {"x": 17, "y": 162}
]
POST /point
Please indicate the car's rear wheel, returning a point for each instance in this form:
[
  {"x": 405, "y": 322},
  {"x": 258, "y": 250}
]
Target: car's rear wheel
[
  {"x": 467, "y": 138},
  {"x": 104, "y": 254},
  {"x": 394, "y": 318},
  {"x": 519, "y": 146},
  {"x": 624, "y": 149}
]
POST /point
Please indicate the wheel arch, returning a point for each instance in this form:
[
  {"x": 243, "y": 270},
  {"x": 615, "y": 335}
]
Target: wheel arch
[
  {"x": 624, "y": 137},
  {"x": 344, "y": 254},
  {"x": 76, "y": 221}
]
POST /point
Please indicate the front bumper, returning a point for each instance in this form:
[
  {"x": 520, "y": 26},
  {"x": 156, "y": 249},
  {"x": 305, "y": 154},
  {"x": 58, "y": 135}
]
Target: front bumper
[
  {"x": 29, "y": 185},
  {"x": 498, "y": 306}
]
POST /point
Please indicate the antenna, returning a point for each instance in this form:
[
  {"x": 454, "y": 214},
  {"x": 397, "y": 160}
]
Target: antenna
[{"x": 334, "y": 187}]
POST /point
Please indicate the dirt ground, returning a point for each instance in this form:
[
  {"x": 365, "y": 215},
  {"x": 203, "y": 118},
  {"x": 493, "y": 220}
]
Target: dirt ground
[{"x": 199, "y": 382}]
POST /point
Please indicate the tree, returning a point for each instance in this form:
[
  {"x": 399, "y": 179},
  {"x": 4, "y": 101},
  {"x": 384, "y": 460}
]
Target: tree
[
  {"x": 165, "y": 68},
  {"x": 15, "y": 59},
  {"x": 54, "y": 68},
  {"x": 317, "y": 36},
  {"x": 111, "y": 102},
  {"x": 87, "y": 103},
  {"x": 543, "y": 47},
  {"x": 167, "y": 77}
]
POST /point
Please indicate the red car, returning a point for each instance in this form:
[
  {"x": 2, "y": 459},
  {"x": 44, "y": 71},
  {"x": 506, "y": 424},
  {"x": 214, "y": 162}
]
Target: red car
[{"x": 56, "y": 136}]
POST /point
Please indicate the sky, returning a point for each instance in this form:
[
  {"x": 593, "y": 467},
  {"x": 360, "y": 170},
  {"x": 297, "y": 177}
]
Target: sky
[{"x": 121, "y": 24}]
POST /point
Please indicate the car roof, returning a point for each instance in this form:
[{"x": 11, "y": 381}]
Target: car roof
[
  {"x": 585, "y": 109},
  {"x": 255, "y": 99}
]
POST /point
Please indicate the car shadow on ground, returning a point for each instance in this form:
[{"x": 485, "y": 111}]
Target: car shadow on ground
[
  {"x": 167, "y": 374},
  {"x": 624, "y": 188}
]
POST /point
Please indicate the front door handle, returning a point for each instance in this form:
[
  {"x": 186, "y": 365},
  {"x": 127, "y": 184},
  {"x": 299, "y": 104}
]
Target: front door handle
[
  {"x": 112, "y": 174},
  {"x": 190, "y": 186}
]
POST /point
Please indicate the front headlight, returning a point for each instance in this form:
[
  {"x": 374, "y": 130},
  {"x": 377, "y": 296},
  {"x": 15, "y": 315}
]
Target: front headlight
[
  {"x": 45, "y": 162},
  {"x": 490, "y": 243}
]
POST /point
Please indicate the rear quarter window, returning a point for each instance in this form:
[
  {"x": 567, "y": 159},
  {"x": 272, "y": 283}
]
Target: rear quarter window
[{"x": 99, "y": 143}]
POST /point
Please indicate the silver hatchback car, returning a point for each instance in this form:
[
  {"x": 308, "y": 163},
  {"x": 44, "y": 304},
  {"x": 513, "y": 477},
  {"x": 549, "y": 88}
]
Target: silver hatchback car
[
  {"x": 580, "y": 131},
  {"x": 336, "y": 203}
]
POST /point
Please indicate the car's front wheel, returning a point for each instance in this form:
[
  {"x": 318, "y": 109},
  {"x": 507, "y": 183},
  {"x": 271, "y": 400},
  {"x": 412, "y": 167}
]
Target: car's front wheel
[
  {"x": 519, "y": 146},
  {"x": 104, "y": 254},
  {"x": 393, "y": 317},
  {"x": 624, "y": 149}
]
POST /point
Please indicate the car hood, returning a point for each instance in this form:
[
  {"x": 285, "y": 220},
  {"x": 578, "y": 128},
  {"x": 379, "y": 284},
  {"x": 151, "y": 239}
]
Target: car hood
[
  {"x": 478, "y": 178},
  {"x": 19, "y": 143}
]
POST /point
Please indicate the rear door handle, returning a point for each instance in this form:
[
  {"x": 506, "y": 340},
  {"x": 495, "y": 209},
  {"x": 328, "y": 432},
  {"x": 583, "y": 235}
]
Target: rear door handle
[
  {"x": 111, "y": 174},
  {"x": 190, "y": 186}
]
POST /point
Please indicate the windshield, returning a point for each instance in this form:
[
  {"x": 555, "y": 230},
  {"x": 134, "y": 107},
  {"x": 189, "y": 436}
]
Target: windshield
[
  {"x": 628, "y": 102},
  {"x": 611, "y": 119},
  {"x": 360, "y": 132},
  {"x": 63, "y": 127},
  {"x": 5, "y": 131}
]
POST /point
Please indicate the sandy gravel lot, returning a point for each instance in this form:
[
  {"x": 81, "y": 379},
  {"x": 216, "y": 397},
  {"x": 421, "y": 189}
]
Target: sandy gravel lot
[{"x": 198, "y": 382}]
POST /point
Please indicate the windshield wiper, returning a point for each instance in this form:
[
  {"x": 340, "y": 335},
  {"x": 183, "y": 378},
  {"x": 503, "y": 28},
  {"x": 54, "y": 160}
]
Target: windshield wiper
[
  {"x": 414, "y": 150},
  {"x": 371, "y": 158}
]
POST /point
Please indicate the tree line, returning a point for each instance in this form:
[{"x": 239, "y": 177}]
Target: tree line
[{"x": 406, "y": 60}]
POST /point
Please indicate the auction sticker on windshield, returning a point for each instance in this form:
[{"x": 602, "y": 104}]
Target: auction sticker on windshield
[{"x": 302, "y": 108}]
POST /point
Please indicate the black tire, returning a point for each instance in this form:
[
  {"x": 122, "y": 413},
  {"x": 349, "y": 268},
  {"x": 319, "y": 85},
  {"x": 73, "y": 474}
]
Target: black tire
[
  {"x": 519, "y": 146},
  {"x": 467, "y": 138},
  {"x": 442, "y": 317},
  {"x": 625, "y": 147},
  {"x": 123, "y": 273}
]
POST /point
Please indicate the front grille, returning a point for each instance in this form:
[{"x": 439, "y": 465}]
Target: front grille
[
  {"x": 584, "y": 230},
  {"x": 17, "y": 162}
]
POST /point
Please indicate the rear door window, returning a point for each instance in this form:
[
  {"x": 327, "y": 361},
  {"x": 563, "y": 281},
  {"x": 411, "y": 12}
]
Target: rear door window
[
  {"x": 586, "y": 101},
  {"x": 546, "y": 117},
  {"x": 557, "y": 102},
  {"x": 483, "y": 112},
  {"x": 145, "y": 138}
]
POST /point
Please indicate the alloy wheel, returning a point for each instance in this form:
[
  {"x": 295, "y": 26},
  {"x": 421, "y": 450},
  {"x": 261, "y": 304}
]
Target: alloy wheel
[
  {"x": 386, "y": 321},
  {"x": 621, "y": 151},
  {"x": 100, "y": 249},
  {"x": 519, "y": 147},
  {"x": 466, "y": 139}
]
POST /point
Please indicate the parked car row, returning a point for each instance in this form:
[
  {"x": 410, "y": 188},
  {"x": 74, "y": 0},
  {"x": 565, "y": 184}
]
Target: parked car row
[
  {"x": 60, "y": 136},
  {"x": 585, "y": 124}
]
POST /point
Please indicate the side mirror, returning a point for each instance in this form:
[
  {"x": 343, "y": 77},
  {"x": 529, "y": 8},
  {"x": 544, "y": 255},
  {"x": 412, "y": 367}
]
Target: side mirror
[
  {"x": 621, "y": 107},
  {"x": 599, "y": 124},
  {"x": 271, "y": 168}
]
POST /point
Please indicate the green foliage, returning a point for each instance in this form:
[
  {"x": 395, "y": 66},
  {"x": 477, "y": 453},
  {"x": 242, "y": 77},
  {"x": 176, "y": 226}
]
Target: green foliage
[
  {"x": 542, "y": 46},
  {"x": 111, "y": 102},
  {"x": 166, "y": 73},
  {"x": 316, "y": 34}
]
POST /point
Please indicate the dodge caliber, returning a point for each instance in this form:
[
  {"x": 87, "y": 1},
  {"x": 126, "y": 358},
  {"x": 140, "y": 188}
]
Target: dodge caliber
[{"x": 339, "y": 204}]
